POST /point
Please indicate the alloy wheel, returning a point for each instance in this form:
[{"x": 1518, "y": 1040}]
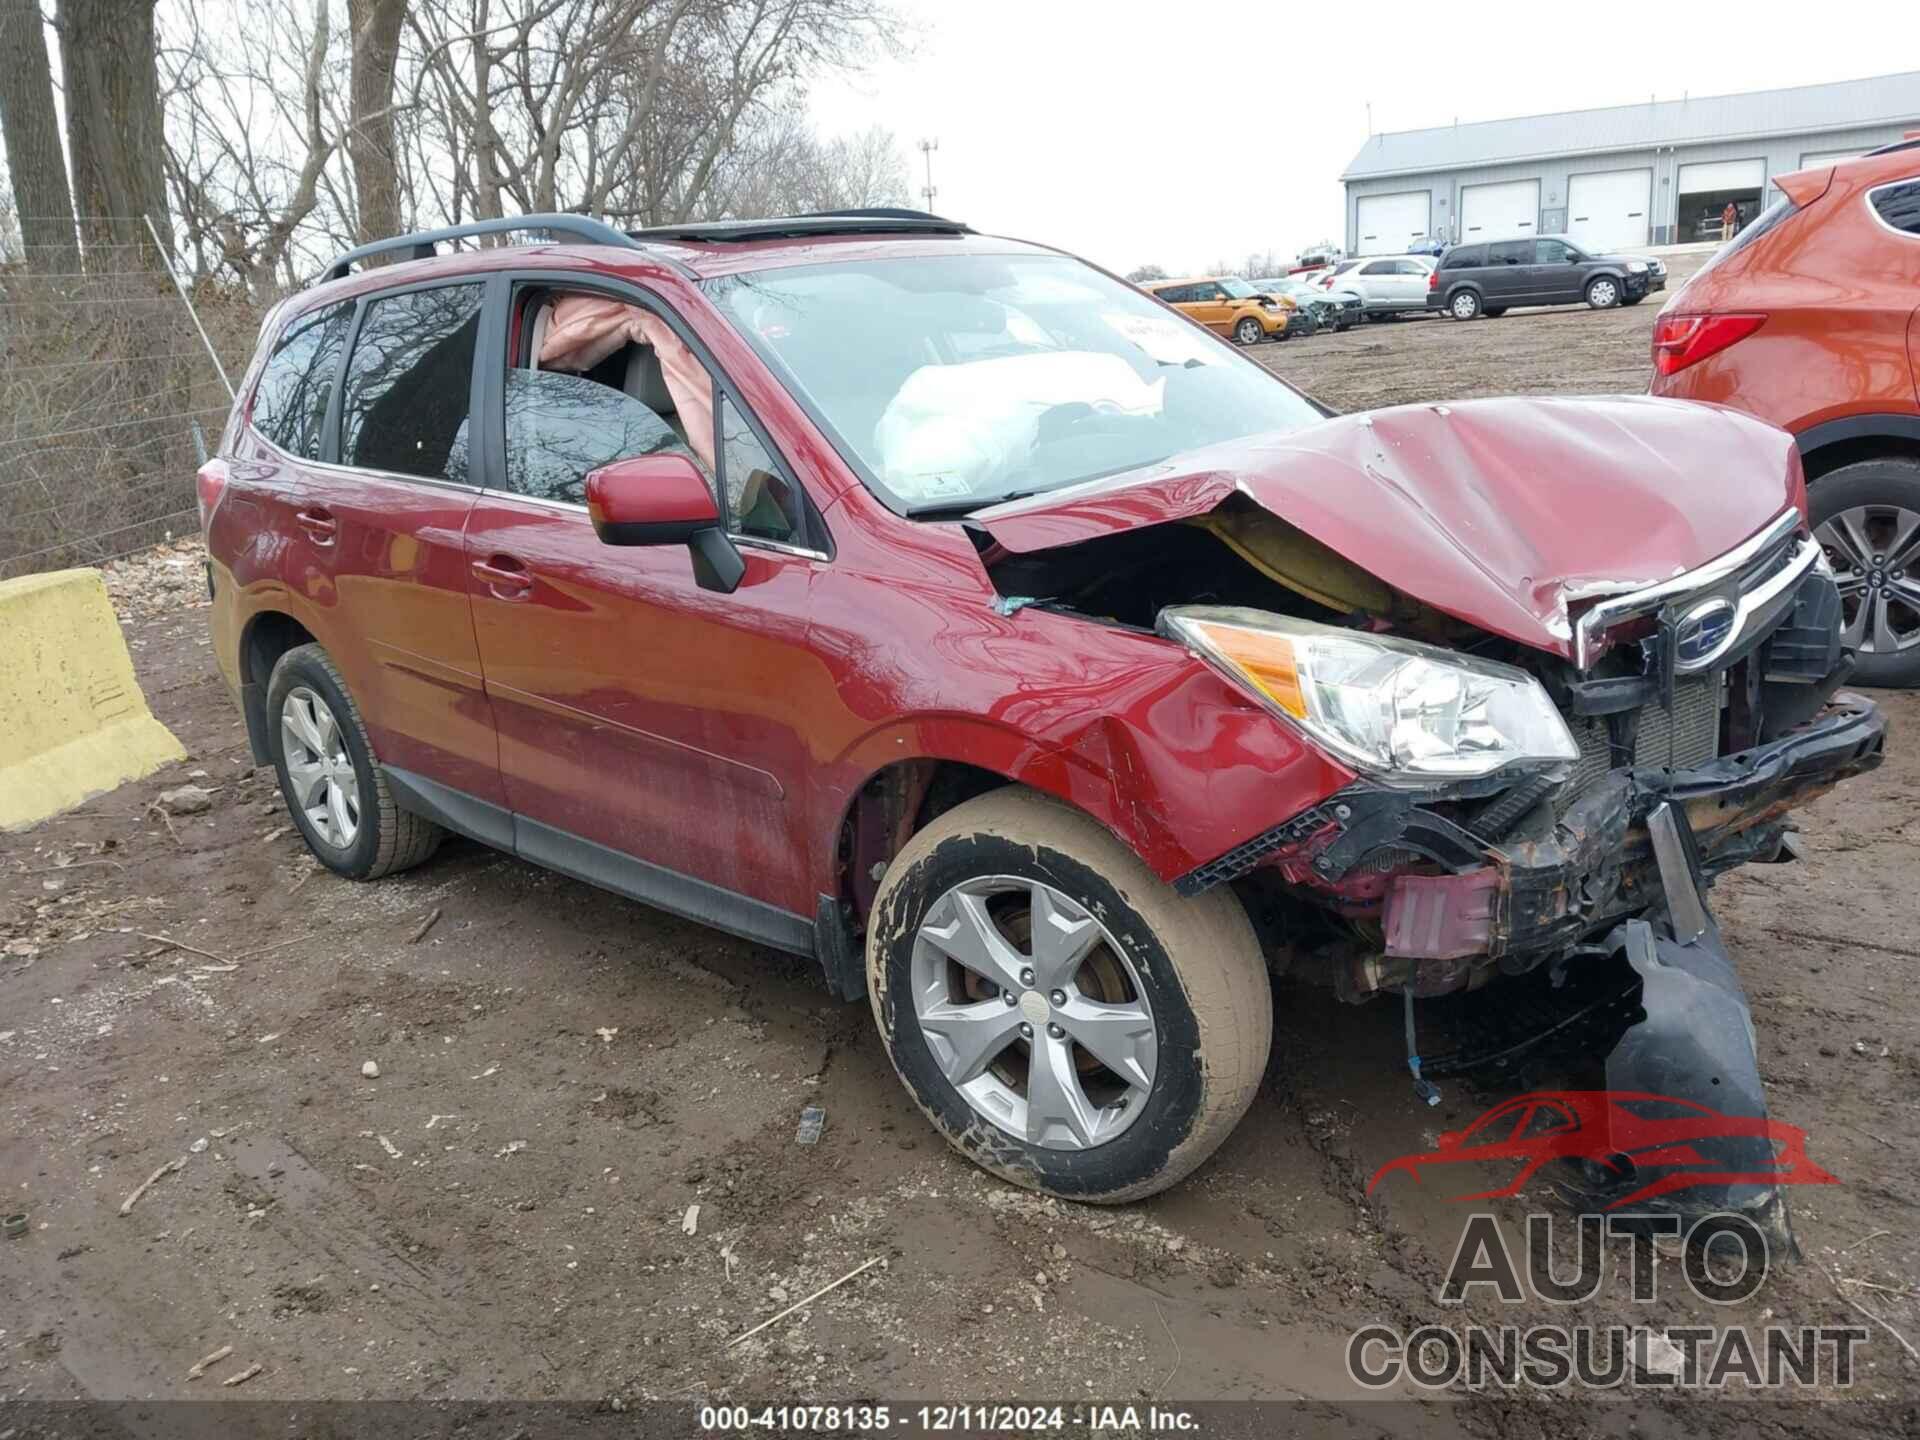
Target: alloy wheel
[
  {"x": 325, "y": 785},
  {"x": 1874, "y": 551},
  {"x": 1249, "y": 332},
  {"x": 1033, "y": 1012}
]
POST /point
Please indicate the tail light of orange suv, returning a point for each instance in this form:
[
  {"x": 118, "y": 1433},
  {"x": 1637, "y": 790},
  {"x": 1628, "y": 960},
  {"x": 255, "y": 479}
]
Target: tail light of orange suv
[{"x": 1683, "y": 340}]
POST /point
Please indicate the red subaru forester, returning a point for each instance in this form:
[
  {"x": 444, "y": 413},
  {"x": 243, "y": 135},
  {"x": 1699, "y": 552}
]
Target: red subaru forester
[{"x": 946, "y": 609}]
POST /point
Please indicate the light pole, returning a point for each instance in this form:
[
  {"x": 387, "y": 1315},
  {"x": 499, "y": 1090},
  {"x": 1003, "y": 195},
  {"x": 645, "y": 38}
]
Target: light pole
[{"x": 927, "y": 147}]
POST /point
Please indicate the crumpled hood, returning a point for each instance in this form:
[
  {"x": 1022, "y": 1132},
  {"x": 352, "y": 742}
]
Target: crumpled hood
[{"x": 1502, "y": 513}]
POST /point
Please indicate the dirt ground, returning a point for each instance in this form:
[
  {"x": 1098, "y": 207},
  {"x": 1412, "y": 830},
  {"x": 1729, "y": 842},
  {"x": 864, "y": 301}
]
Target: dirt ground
[{"x": 507, "y": 1210}]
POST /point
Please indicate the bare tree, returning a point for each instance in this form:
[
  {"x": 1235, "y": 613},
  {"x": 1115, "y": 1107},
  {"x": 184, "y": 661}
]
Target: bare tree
[
  {"x": 256, "y": 125},
  {"x": 107, "y": 62},
  {"x": 43, "y": 201},
  {"x": 1145, "y": 274},
  {"x": 370, "y": 140}
]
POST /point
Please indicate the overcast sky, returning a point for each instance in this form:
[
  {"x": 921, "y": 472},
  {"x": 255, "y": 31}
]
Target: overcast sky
[{"x": 1184, "y": 133}]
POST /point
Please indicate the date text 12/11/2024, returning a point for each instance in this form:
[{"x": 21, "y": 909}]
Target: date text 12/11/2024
[{"x": 958, "y": 1419}]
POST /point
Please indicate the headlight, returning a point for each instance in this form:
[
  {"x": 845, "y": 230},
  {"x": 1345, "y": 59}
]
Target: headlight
[
  {"x": 1636, "y": 267},
  {"x": 1402, "y": 712}
]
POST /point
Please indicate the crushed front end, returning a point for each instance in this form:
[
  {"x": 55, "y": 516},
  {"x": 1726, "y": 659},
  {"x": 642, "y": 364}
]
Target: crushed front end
[{"x": 1704, "y": 710}]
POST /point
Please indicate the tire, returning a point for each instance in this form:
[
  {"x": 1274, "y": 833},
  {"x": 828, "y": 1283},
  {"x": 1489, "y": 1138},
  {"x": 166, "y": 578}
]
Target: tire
[
  {"x": 308, "y": 710},
  {"x": 1249, "y": 332},
  {"x": 1191, "y": 967},
  {"x": 1856, "y": 511},
  {"x": 1603, "y": 292},
  {"x": 1464, "y": 305}
]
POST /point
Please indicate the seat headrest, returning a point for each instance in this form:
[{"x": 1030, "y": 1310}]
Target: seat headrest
[{"x": 647, "y": 381}]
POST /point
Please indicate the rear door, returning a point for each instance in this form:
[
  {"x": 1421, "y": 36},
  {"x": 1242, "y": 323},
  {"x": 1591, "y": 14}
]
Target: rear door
[
  {"x": 383, "y": 558},
  {"x": 648, "y": 736},
  {"x": 1509, "y": 273}
]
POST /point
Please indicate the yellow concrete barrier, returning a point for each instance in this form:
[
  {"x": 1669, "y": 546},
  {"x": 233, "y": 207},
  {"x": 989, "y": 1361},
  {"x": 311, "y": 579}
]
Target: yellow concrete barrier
[{"x": 73, "y": 722}]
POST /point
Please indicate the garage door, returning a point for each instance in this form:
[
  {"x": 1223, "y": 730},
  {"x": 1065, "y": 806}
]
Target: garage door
[
  {"x": 1487, "y": 212},
  {"x": 1608, "y": 211},
  {"x": 1722, "y": 175},
  {"x": 1388, "y": 224}
]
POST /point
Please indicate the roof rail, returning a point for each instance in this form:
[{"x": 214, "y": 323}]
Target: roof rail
[
  {"x": 876, "y": 220},
  {"x": 582, "y": 229},
  {"x": 1909, "y": 144}
]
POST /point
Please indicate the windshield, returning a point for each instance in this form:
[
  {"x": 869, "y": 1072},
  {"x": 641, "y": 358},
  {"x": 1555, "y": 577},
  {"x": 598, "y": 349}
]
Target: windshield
[
  {"x": 1238, "y": 289},
  {"x": 950, "y": 382}
]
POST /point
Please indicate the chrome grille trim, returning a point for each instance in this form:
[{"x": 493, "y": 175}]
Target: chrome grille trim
[{"x": 1752, "y": 607}]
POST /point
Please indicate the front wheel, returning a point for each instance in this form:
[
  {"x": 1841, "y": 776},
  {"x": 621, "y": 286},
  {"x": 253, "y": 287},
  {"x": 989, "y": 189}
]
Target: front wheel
[
  {"x": 1464, "y": 306},
  {"x": 1248, "y": 331},
  {"x": 1603, "y": 293},
  {"x": 1066, "y": 1020},
  {"x": 1866, "y": 516}
]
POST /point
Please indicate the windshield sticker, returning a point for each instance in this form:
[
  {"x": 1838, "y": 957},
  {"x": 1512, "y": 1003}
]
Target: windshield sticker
[{"x": 1165, "y": 340}]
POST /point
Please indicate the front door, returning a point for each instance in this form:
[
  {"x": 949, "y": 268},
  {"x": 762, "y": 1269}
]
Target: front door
[
  {"x": 1556, "y": 272},
  {"x": 649, "y": 739},
  {"x": 383, "y": 559}
]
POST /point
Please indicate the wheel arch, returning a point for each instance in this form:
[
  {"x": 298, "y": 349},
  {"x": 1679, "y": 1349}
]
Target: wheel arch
[
  {"x": 1826, "y": 447},
  {"x": 268, "y": 635}
]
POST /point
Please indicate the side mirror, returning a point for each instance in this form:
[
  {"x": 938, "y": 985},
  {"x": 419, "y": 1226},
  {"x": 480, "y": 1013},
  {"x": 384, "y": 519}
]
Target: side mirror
[{"x": 665, "y": 500}]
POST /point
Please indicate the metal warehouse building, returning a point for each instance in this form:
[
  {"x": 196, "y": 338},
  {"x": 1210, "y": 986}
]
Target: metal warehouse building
[{"x": 1628, "y": 176}]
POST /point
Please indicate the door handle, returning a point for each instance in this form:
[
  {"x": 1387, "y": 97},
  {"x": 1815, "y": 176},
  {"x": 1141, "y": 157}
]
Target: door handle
[
  {"x": 317, "y": 523},
  {"x": 505, "y": 576}
]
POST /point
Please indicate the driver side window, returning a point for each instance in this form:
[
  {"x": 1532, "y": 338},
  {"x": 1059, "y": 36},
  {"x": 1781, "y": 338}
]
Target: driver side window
[{"x": 595, "y": 379}]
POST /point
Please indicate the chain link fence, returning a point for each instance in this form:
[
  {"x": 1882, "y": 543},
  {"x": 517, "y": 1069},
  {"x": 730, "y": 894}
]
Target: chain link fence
[{"x": 106, "y": 395}]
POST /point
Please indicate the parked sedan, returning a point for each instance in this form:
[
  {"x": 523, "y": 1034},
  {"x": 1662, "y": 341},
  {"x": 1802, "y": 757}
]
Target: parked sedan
[
  {"x": 1337, "y": 309},
  {"x": 1487, "y": 278}
]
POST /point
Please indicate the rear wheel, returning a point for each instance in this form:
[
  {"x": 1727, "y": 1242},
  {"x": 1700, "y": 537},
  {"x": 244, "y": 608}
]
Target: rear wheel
[
  {"x": 1603, "y": 292},
  {"x": 1866, "y": 516},
  {"x": 1464, "y": 305},
  {"x": 1066, "y": 1020},
  {"x": 328, "y": 775},
  {"x": 1248, "y": 331}
]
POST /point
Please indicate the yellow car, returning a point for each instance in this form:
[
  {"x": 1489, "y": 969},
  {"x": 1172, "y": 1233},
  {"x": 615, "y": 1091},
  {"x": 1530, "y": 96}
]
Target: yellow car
[{"x": 1234, "y": 308}]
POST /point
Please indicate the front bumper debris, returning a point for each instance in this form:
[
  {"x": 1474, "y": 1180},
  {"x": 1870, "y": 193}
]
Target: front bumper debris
[{"x": 1452, "y": 905}]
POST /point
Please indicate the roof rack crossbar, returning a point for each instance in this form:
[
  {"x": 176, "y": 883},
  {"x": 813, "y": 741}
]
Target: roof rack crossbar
[
  {"x": 422, "y": 245},
  {"x": 876, "y": 220}
]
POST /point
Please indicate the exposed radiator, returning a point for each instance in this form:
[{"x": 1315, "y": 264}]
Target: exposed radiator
[{"x": 1688, "y": 736}]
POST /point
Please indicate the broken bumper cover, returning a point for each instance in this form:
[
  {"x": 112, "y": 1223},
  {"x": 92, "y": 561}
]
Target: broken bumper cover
[
  {"x": 1692, "y": 1046},
  {"x": 1449, "y": 901}
]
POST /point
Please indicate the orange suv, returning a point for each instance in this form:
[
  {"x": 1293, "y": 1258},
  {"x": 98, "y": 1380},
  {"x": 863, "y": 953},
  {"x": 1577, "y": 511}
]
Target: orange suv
[{"x": 1810, "y": 318}]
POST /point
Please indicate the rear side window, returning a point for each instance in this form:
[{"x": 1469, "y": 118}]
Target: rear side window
[
  {"x": 1899, "y": 205},
  {"x": 410, "y": 384},
  {"x": 290, "y": 402},
  {"x": 1466, "y": 257},
  {"x": 1511, "y": 252}
]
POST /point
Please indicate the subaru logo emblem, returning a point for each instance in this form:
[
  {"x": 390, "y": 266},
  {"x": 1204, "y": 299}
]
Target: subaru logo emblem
[{"x": 1702, "y": 632}]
